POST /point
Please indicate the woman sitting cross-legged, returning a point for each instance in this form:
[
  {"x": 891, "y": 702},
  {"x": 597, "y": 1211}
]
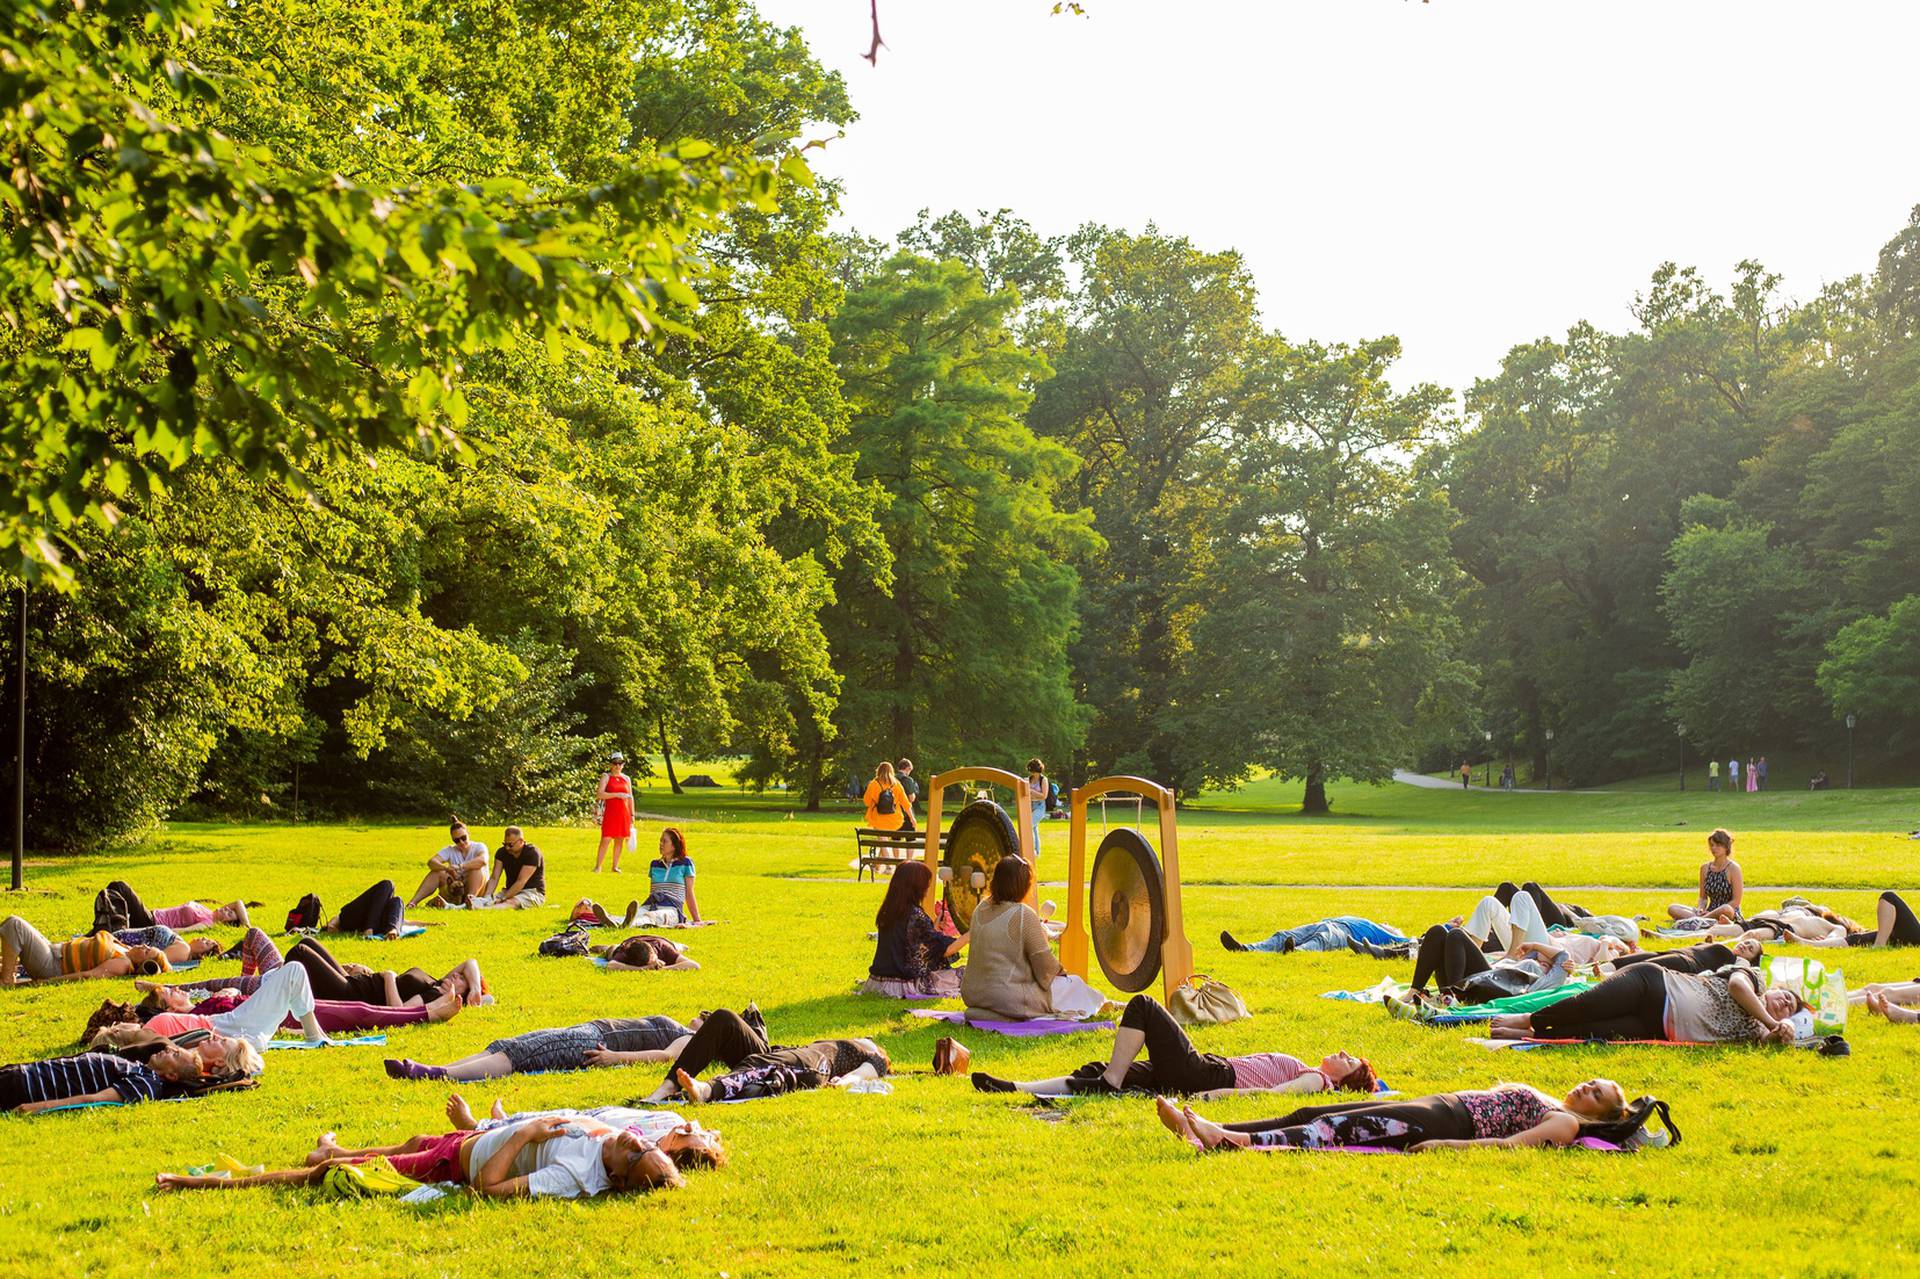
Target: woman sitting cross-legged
[
  {"x": 1721, "y": 888},
  {"x": 759, "y": 1069},
  {"x": 565, "y": 1157},
  {"x": 1174, "y": 1065},
  {"x": 644, "y": 953},
  {"x": 616, "y": 1041},
  {"x": 1646, "y": 1001},
  {"x": 911, "y": 957},
  {"x": 1504, "y": 1115},
  {"x": 1010, "y": 966}
]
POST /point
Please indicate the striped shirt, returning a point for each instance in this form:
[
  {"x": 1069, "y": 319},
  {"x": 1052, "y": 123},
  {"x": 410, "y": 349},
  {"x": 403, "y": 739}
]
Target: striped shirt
[
  {"x": 61, "y": 1077},
  {"x": 83, "y": 954},
  {"x": 669, "y": 882}
]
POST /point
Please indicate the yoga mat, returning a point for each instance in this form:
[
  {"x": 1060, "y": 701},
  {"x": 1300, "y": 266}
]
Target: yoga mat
[
  {"x": 1591, "y": 1043},
  {"x": 1017, "y": 1029},
  {"x": 1683, "y": 934},
  {"x": 332, "y": 1041},
  {"x": 1386, "y": 987}
]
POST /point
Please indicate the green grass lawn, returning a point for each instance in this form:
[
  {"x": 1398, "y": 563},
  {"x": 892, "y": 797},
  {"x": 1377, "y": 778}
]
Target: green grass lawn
[{"x": 1791, "y": 1162}]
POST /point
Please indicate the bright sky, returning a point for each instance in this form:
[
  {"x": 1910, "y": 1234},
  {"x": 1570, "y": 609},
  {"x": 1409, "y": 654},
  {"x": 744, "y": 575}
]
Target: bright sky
[{"x": 1468, "y": 174}]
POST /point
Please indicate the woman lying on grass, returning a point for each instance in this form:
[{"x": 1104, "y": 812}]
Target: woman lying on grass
[
  {"x": 1893, "y": 1000},
  {"x": 1174, "y": 1065},
  {"x": 156, "y": 1072},
  {"x": 344, "y": 983},
  {"x": 155, "y": 950},
  {"x": 568, "y": 1158},
  {"x": 911, "y": 957},
  {"x": 1647, "y": 1001},
  {"x": 1701, "y": 957},
  {"x": 617, "y": 1041},
  {"x": 283, "y": 1001},
  {"x": 1504, "y": 1115},
  {"x": 1450, "y": 957},
  {"x": 758, "y": 1069},
  {"x": 1895, "y": 925},
  {"x": 377, "y": 911},
  {"x": 118, "y": 906},
  {"x": 682, "y": 1140},
  {"x": 1799, "y": 921}
]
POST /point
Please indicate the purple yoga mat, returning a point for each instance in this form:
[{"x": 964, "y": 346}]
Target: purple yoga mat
[{"x": 1018, "y": 1029}]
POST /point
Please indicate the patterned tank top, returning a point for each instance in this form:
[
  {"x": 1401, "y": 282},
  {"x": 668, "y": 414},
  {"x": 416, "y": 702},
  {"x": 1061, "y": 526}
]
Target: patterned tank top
[
  {"x": 1504, "y": 1111},
  {"x": 1719, "y": 888}
]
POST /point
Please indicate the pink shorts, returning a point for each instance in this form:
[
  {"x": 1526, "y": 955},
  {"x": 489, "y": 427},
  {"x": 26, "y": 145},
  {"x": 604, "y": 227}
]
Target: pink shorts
[{"x": 438, "y": 1159}]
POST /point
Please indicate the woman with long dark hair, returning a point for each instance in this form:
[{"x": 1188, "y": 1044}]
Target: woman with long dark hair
[
  {"x": 671, "y": 878},
  {"x": 912, "y": 959}
]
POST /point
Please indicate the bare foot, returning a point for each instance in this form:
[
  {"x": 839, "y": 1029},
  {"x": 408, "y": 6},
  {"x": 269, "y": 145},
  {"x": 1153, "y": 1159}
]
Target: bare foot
[
  {"x": 170, "y": 1181},
  {"x": 1170, "y": 1115},
  {"x": 444, "y": 1008},
  {"x": 327, "y": 1148},
  {"x": 499, "y": 1111},
  {"x": 1203, "y": 1133},
  {"x": 693, "y": 1088},
  {"x": 460, "y": 1114}
]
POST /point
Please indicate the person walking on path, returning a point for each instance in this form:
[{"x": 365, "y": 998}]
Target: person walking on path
[
  {"x": 1466, "y": 774},
  {"x": 1733, "y": 774},
  {"x": 903, "y": 773},
  {"x": 616, "y": 811}
]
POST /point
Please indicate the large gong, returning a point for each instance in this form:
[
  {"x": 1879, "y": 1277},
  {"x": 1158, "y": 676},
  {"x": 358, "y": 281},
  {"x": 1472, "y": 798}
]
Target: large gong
[
  {"x": 1129, "y": 909},
  {"x": 980, "y": 836}
]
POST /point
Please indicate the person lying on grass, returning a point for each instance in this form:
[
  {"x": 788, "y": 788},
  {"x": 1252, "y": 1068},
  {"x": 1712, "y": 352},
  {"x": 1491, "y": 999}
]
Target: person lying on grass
[
  {"x": 1451, "y": 958},
  {"x": 1646, "y": 1001},
  {"x": 335, "y": 981},
  {"x": 172, "y": 1009},
  {"x": 562, "y": 1157},
  {"x": 118, "y": 906},
  {"x": 156, "y": 1072},
  {"x": 1341, "y": 932},
  {"x": 617, "y": 1041},
  {"x": 1893, "y": 1000},
  {"x": 1504, "y": 1115},
  {"x": 1895, "y": 925},
  {"x": 759, "y": 1069},
  {"x": 684, "y": 1141},
  {"x": 1701, "y": 957},
  {"x": 24, "y": 949},
  {"x": 1174, "y": 1065},
  {"x": 1804, "y": 923},
  {"x": 646, "y": 952},
  {"x": 376, "y": 912}
]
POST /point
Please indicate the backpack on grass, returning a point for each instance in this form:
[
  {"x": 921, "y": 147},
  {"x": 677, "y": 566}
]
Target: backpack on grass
[
  {"x": 563, "y": 945},
  {"x": 307, "y": 913}
]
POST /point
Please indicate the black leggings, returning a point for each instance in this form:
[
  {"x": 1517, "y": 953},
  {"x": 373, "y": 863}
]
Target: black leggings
[
  {"x": 1906, "y": 928},
  {"x": 1551, "y": 912},
  {"x": 1174, "y": 1065},
  {"x": 378, "y": 910},
  {"x": 724, "y": 1037},
  {"x": 330, "y": 979},
  {"x": 1392, "y": 1124},
  {"x": 1631, "y": 1004},
  {"x": 138, "y": 916},
  {"x": 1706, "y": 958},
  {"x": 1448, "y": 955}
]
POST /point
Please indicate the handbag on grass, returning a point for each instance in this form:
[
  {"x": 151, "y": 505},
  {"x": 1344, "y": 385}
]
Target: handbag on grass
[{"x": 1204, "y": 1000}]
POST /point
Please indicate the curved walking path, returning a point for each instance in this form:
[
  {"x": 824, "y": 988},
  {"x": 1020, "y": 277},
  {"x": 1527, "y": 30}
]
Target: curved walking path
[{"x": 1424, "y": 782}]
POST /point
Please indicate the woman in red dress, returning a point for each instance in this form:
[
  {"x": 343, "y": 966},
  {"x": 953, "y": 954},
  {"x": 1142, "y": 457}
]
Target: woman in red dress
[{"x": 616, "y": 811}]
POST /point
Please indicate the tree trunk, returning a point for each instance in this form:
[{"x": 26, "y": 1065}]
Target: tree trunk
[
  {"x": 667, "y": 754},
  {"x": 1316, "y": 796},
  {"x": 816, "y": 782}
]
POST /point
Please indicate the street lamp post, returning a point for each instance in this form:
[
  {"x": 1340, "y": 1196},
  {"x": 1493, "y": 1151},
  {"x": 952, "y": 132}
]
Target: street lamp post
[
  {"x": 1849, "y": 752},
  {"x": 1489, "y": 735},
  {"x": 1549, "y": 759},
  {"x": 1682, "y": 733}
]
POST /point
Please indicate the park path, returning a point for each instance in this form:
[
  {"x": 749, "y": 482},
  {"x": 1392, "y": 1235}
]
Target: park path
[{"x": 1424, "y": 782}]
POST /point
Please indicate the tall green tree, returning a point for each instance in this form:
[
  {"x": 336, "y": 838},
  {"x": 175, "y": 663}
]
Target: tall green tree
[
  {"x": 956, "y": 651},
  {"x": 1150, "y": 387},
  {"x": 1323, "y": 634}
]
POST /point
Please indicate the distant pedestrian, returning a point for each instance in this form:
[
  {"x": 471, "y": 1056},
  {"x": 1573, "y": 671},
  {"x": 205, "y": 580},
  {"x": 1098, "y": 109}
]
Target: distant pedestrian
[
  {"x": 1733, "y": 774},
  {"x": 1753, "y": 776},
  {"x": 1036, "y": 798},
  {"x": 1763, "y": 772},
  {"x": 1713, "y": 774},
  {"x": 903, "y": 773},
  {"x": 1466, "y": 774}
]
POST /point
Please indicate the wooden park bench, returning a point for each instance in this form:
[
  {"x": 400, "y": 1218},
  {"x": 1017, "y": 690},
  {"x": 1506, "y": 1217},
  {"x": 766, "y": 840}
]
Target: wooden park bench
[{"x": 879, "y": 848}]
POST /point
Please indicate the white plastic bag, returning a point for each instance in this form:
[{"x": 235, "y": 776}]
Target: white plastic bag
[{"x": 1074, "y": 999}]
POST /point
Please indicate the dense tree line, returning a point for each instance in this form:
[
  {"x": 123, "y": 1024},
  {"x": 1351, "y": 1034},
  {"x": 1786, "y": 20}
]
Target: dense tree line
[{"x": 411, "y": 405}]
